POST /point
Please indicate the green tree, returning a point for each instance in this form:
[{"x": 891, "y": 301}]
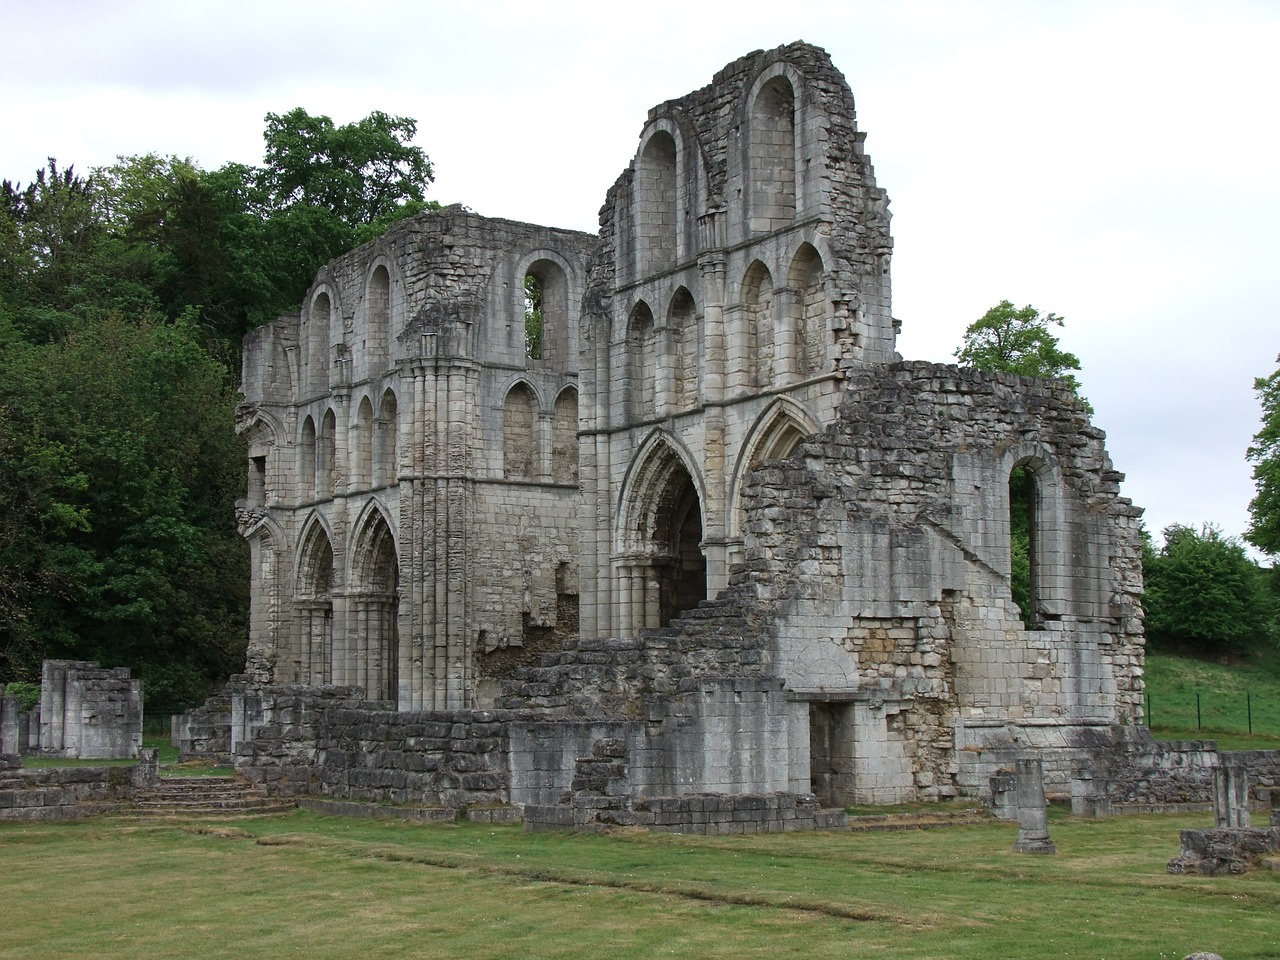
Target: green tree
[
  {"x": 1264, "y": 454},
  {"x": 532, "y": 317},
  {"x": 1018, "y": 341},
  {"x": 365, "y": 174},
  {"x": 142, "y": 554},
  {"x": 1204, "y": 594}
]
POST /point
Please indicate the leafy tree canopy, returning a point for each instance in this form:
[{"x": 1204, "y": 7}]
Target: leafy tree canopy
[
  {"x": 118, "y": 468},
  {"x": 1264, "y": 454},
  {"x": 123, "y": 299},
  {"x": 1204, "y": 594},
  {"x": 366, "y": 174},
  {"x": 1018, "y": 341}
]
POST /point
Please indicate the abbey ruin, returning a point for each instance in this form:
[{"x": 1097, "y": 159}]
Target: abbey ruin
[{"x": 707, "y": 535}]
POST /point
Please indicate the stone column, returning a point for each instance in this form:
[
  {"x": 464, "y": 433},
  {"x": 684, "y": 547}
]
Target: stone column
[
  {"x": 1231, "y": 797},
  {"x": 1033, "y": 818}
]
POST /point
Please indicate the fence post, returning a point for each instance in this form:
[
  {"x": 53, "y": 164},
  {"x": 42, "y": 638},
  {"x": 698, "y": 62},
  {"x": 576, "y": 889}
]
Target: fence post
[
  {"x": 1198, "y": 710},
  {"x": 1248, "y": 702}
]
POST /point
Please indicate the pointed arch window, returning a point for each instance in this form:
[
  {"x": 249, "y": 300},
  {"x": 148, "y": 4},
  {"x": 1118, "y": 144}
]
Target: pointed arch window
[
  {"x": 771, "y": 157},
  {"x": 519, "y": 440},
  {"x": 656, "y": 205}
]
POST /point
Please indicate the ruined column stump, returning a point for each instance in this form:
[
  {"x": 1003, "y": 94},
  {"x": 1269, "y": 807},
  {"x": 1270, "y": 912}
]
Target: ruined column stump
[{"x": 1033, "y": 815}]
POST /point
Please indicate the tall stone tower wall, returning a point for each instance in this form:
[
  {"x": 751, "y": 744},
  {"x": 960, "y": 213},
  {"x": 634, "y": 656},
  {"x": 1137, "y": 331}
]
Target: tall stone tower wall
[
  {"x": 743, "y": 272},
  {"x": 413, "y": 498}
]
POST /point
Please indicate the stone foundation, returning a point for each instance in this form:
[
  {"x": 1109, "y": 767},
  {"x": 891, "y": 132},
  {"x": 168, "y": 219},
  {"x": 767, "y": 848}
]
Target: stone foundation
[{"x": 1211, "y": 853}]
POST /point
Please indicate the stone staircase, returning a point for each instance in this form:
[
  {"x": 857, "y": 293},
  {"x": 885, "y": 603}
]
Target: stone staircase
[{"x": 211, "y": 796}]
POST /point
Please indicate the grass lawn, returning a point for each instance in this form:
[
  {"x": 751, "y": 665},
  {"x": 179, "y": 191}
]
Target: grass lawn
[
  {"x": 322, "y": 887},
  {"x": 1173, "y": 683}
]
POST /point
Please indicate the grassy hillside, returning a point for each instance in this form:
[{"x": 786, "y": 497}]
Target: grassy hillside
[{"x": 1226, "y": 691}]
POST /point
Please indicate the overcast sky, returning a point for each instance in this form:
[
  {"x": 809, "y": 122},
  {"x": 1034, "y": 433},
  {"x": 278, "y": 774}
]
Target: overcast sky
[{"x": 1114, "y": 162}]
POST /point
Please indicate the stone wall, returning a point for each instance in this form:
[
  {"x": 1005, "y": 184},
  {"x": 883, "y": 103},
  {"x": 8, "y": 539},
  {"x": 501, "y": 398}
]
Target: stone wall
[
  {"x": 1127, "y": 770},
  {"x": 715, "y": 520},
  {"x": 89, "y": 712},
  {"x": 874, "y": 594},
  {"x": 64, "y": 794},
  {"x": 413, "y": 468}
]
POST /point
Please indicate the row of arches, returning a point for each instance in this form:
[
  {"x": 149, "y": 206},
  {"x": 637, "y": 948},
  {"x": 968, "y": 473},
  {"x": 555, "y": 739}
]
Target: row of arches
[
  {"x": 543, "y": 308},
  {"x": 773, "y": 336},
  {"x": 372, "y": 450},
  {"x": 347, "y": 636},
  {"x": 534, "y": 446},
  {"x": 669, "y": 178},
  {"x": 323, "y": 345}
]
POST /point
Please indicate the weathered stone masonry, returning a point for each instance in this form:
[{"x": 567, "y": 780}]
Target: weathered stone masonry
[{"x": 714, "y": 537}]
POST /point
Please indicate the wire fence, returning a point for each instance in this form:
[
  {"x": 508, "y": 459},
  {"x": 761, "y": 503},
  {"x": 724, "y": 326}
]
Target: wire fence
[{"x": 1214, "y": 712}]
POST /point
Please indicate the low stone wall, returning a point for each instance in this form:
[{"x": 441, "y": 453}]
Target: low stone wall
[
  {"x": 69, "y": 793},
  {"x": 1131, "y": 773},
  {"x": 414, "y": 814},
  {"x": 1211, "y": 853},
  {"x": 703, "y": 814},
  {"x": 1263, "y": 770},
  {"x": 453, "y": 758}
]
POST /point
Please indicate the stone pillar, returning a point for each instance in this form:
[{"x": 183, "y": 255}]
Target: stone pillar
[
  {"x": 1033, "y": 818},
  {"x": 147, "y": 772},
  {"x": 10, "y": 707},
  {"x": 1231, "y": 797}
]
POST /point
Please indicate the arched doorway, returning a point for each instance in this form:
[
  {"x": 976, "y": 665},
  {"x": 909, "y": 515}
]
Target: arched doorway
[
  {"x": 660, "y": 561},
  {"x": 373, "y": 640},
  {"x": 313, "y": 608}
]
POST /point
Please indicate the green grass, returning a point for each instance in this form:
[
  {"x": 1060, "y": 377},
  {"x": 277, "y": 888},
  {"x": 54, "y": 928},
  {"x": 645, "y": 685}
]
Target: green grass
[
  {"x": 1173, "y": 683},
  {"x": 320, "y": 887}
]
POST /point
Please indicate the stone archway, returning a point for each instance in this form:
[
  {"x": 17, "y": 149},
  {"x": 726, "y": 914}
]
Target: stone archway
[
  {"x": 661, "y": 566},
  {"x": 313, "y": 608},
  {"x": 373, "y": 638}
]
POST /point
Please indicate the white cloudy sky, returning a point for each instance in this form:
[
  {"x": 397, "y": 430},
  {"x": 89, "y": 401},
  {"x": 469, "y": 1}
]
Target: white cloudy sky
[{"x": 1113, "y": 162}]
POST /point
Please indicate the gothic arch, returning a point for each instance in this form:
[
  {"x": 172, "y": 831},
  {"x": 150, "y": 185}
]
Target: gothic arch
[
  {"x": 386, "y": 441},
  {"x": 555, "y": 281},
  {"x": 360, "y": 446},
  {"x": 642, "y": 363},
  {"x": 373, "y": 647},
  {"x": 685, "y": 347},
  {"x": 261, "y": 443},
  {"x": 757, "y": 326},
  {"x": 318, "y": 338},
  {"x": 375, "y": 347},
  {"x": 520, "y": 454},
  {"x": 312, "y": 650},
  {"x": 808, "y": 312},
  {"x": 307, "y": 460},
  {"x": 770, "y": 162},
  {"x": 564, "y": 437},
  {"x": 268, "y": 599},
  {"x": 655, "y": 210},
  {"x": 776, "y": 433},
  {"x": 327, "y": 456},
  {"x": 658, "y": 538},
  {"x": 1049, "y": 554}
]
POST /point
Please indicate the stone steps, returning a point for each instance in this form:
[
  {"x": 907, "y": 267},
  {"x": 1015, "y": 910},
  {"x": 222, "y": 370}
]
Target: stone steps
[{"x": 211, "y": 796}]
